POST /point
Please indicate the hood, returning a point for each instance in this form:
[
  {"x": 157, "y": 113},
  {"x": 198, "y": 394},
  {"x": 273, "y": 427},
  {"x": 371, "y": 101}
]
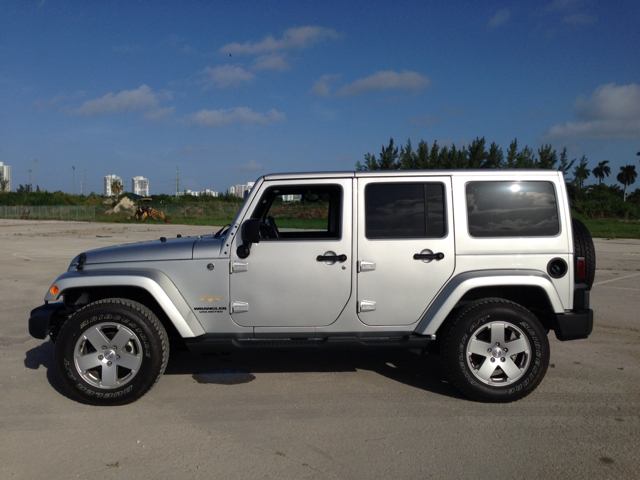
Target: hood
[{"x": 155, "y": 250}]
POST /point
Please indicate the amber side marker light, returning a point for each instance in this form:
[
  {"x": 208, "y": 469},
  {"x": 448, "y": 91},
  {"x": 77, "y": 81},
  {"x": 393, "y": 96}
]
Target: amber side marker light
[{"x": 54, "y": 290}]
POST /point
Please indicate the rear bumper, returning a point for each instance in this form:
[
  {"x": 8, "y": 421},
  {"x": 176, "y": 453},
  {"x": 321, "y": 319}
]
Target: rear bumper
[
  {"x": 574, "y": 325},
  {"x": 578, "y": 323},
  {"x": 43, "y": 319}
]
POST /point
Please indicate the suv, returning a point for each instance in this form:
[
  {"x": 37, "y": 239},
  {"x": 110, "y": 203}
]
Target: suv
[{"x": 476, "y": 266}]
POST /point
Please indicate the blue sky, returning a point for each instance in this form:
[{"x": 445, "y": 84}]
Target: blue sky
[{"x": 229, "y": 91}]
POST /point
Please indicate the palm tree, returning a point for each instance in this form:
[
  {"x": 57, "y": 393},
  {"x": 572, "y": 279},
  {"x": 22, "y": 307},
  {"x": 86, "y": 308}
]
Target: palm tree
[
  {"x": 602, "y": 170},
  {"x": 627, "y": 176},
  {"x": 116, "y": 188},
  {"x": 581, "y": 172}
]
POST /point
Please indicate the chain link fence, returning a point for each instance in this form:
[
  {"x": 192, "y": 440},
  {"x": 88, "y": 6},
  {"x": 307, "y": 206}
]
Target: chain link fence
[
  {"x": 76, "y": 213},
  {"x": 203, "y": 213}
]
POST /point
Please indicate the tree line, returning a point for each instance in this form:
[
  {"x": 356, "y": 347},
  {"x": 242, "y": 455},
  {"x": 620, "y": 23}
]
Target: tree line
[{"x": 476, "y": 155}]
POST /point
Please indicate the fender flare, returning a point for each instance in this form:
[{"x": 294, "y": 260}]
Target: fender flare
[
  {"x": 153, "y": 281},
  {"x": 459, "y": 285}
]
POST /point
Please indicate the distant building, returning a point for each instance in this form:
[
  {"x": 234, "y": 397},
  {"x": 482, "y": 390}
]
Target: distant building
[
  {"x": 140, "y": 186},
  {"x": 241, "y": 190},
  {"x": 5, "y": 174},
  {"x": 290, "y": 198},
  {"x": 108, "y": 181},
  {"x": 209, "y": 193}
]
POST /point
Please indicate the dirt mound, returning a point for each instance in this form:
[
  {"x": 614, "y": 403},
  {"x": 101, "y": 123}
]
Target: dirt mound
[{"x": 126, "y": 205}]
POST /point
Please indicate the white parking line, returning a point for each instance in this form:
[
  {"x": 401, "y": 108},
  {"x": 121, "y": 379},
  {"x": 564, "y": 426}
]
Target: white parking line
[{"x": 616, "y": 279}]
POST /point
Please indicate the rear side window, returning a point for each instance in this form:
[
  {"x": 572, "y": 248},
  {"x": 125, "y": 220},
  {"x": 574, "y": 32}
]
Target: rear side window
[
  {"x": 512, "y": 209},
  {"x": 404, "y": 210}
]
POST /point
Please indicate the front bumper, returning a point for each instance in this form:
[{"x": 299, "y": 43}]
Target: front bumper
[{"x": 44, "y": 318}]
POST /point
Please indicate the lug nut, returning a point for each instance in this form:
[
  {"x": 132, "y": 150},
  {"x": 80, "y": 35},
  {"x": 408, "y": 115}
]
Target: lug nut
[
  {"x": 100, "y": 357},
  {"x": 109, "y": 364},
  {"x": 497, "y": 344},
  {"x": 493, "y": 359},
  {"x": 104, "y": 347},
  {"x": 502, "y": 359},
  {"x": 506, "y": 350},
  {"x": 115, "y": 347},
  {"x": 489, "y": 350},
  {"x": 117, "y": 357}
]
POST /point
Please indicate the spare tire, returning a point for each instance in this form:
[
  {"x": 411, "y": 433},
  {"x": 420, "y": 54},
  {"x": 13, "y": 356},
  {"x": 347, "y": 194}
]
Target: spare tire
[{"x": 583, "y": 247}]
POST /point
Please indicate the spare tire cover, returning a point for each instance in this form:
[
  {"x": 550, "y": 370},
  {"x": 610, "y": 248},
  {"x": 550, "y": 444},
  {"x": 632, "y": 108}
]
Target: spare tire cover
[{"x": 583, "y": 247}]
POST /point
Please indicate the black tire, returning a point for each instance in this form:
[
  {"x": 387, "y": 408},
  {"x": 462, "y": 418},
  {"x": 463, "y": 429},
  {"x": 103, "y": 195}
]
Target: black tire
[
  {"x": 111, "y": 352},
  {"x": 583, "y": 247},
  {"x": 504, "y": 338}
]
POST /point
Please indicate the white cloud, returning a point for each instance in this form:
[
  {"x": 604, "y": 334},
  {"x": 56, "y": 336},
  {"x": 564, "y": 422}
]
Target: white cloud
[
  {"x": 611, "y": 112},
  {"x": 610, "y": 102},
  {"x": 271, "y": 62},
  {"x": 224, "y": 76},
  {"x": 244, "y": 115},
  {"x": 301, "y": 37},
  {"x": 500, "y": 18},
  {"x": 158, "y": 113},
  {"x": 252, "y": 166},
  {"x": 385, "y": 80},
  {"x": 56, "y": 102},
  {"x": 322, "y": 87},
  {"x": 125, "y": 101}
]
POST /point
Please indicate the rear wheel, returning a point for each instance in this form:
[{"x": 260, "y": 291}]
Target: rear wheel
[
  {"x": 496, "y": 351},
  {"x": 111, "y": 352}
]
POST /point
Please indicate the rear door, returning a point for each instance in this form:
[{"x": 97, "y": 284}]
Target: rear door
[{"x": 406, "y": 248}]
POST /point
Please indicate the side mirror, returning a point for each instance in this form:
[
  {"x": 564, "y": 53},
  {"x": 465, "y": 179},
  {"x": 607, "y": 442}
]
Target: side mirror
[
  {"x": 250, "y": 234},
  {"x": 251, "y": 231}
]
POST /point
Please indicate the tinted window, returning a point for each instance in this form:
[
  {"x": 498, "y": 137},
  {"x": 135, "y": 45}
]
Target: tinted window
[
  {"x": 300, "y": 212},
  {"x": 512, "y": 209},
  {"x": 404, "y": 210}
]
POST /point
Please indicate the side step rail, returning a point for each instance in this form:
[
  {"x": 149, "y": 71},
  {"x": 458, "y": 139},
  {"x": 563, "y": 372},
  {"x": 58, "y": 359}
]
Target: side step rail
[{"x": 208, "y": 343}]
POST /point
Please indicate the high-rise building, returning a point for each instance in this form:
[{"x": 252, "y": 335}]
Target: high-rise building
[
  {"x": 5, "y": 174},
  {"x": 108, "y": 181},
  {"x": 140, "y": 186},
  {"x": 241, "y": 190}
]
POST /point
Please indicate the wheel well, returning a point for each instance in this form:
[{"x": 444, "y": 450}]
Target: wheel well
[
  {"x": 79, "y": 297},
  {"x": 533, "y": 299}
]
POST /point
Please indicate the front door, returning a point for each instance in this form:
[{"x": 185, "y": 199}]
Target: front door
[
  {"x": 406, "y": 248},
  {"x": 299, "y": 274}
]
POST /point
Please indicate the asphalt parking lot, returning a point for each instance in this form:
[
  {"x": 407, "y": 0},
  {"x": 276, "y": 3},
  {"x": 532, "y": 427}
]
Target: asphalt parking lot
[{"x": 338, "y": 414}]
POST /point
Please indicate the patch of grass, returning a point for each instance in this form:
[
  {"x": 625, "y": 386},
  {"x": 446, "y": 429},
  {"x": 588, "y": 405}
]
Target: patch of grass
[{"x": 613, "y": 228}]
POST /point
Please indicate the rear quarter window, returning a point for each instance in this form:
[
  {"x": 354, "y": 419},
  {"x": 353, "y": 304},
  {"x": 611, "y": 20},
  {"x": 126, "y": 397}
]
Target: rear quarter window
[{"x": 512, "y": 209}]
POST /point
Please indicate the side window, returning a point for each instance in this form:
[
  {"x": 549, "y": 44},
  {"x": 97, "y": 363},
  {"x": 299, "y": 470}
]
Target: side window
[
  {"x": 404, "y": 210},
  {"x": 300, "y": 212},
  {"x": 512, "y": 209}
]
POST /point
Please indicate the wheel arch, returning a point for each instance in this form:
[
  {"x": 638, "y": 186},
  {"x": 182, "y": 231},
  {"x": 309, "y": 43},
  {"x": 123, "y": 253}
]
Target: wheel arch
[
  {"x": 528, "y": 288},
  {"x": 150, "y": 288}
]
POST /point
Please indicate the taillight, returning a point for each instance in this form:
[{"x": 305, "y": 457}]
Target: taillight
[{"x": 581, "y": 268}]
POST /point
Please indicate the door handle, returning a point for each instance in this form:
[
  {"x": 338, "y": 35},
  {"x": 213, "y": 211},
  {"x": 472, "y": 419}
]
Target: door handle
[
  {"x": 428, "y": 256},
  {"x": 332, "y": 258}
]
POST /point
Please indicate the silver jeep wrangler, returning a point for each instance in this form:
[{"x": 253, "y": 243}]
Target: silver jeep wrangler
[{"x": 476, "y": 266}]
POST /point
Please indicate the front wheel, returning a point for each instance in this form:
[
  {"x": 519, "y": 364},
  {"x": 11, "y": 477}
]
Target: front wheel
[
  {"x": 111, "y": 352},
  {"x": 496, "y": 351}
]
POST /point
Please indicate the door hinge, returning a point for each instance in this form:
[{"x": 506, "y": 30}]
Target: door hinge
[
  {"x": 237, "y": 267},
  {"x": 366, "y": 266},
  {"x": 366, "y": 306},
  {"x": 239, "y": 307}
]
